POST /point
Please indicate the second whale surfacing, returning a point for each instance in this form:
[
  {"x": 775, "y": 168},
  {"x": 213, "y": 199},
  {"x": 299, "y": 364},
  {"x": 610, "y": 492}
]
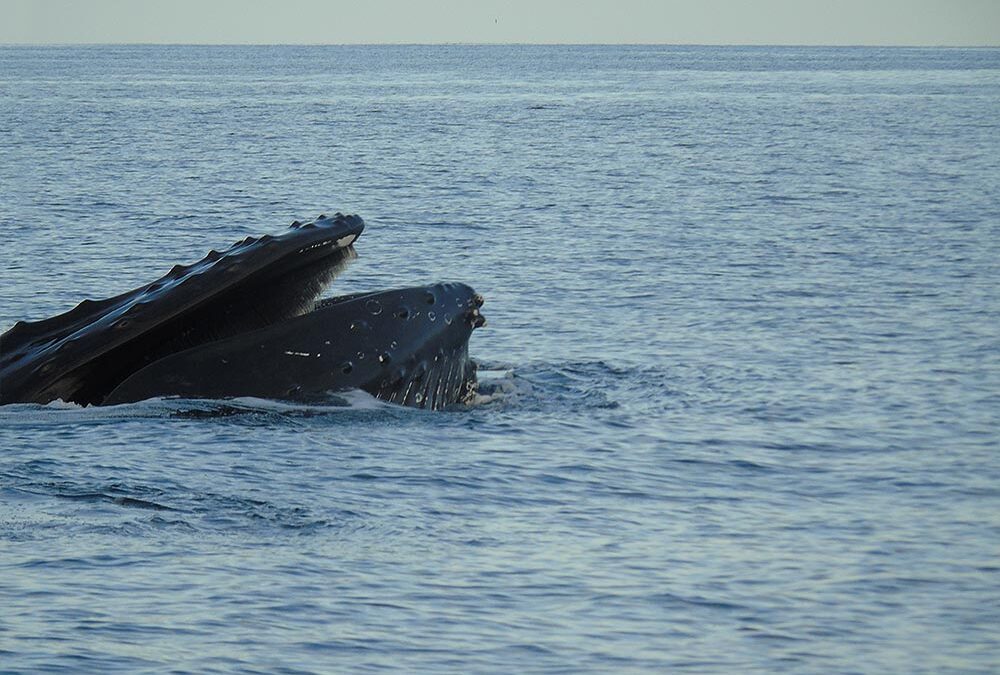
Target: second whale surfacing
[{"x": 248, "y": 322}]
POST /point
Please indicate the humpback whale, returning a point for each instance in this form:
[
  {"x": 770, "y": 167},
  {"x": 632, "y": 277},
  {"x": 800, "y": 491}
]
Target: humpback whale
[{"x": 248, "y": 321}]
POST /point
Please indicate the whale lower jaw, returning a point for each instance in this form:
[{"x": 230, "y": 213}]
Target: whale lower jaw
[{"x": 407, "y": 346}]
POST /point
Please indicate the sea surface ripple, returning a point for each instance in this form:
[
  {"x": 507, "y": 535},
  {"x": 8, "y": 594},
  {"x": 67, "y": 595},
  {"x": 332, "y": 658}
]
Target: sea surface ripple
[{"x": 741, "y": 378}]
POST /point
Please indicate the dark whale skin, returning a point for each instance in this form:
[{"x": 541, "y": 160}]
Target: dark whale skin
[
  {"x": 237, "y": 323},
  {"x": 407, "y": 346}
]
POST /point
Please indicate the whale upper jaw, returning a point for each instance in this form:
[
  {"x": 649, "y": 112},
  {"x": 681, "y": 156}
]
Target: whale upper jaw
[{"x": 258, "y": 292}]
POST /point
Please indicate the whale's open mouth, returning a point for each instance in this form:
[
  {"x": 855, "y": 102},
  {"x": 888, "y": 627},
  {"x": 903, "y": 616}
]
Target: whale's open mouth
[{"x": 248, "y": 322}]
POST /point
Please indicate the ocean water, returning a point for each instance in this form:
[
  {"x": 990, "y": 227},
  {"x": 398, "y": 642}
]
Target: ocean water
[{"x": 741, "y": 378}]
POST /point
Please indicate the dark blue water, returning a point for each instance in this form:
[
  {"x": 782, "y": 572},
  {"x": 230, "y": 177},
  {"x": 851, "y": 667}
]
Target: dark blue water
[{"x": 740, "y": 407}]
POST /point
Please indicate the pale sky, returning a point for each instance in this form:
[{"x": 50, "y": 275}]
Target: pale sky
[{"x": 834, "y": 22}]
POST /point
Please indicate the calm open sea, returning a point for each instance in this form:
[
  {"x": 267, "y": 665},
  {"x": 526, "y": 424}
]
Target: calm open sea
[{"x": 742, "y": 387}]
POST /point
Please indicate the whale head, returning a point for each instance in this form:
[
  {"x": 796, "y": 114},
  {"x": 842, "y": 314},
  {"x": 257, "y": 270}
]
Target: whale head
[{"x": 248, "y": 305}]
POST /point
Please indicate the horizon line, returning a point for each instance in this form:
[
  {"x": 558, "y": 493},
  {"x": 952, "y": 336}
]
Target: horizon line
[{"x": 460, "y": 43}]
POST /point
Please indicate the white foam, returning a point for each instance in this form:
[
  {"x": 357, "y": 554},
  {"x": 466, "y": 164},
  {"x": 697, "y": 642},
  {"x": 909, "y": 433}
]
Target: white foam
[{"x": 499, "y": 385}]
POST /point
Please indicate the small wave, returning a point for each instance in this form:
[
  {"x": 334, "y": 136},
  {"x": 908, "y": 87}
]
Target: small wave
[
  {"x": 59, "y": 411},
  {"x": 599, "y": 385},
  {"x": 104, "y": 505},
  {"x": 238, "y": 512},
  {"x": 129, "y": 496},
  {"x": 573, "y": 385},
  {"x": 129, "y": 502}
]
